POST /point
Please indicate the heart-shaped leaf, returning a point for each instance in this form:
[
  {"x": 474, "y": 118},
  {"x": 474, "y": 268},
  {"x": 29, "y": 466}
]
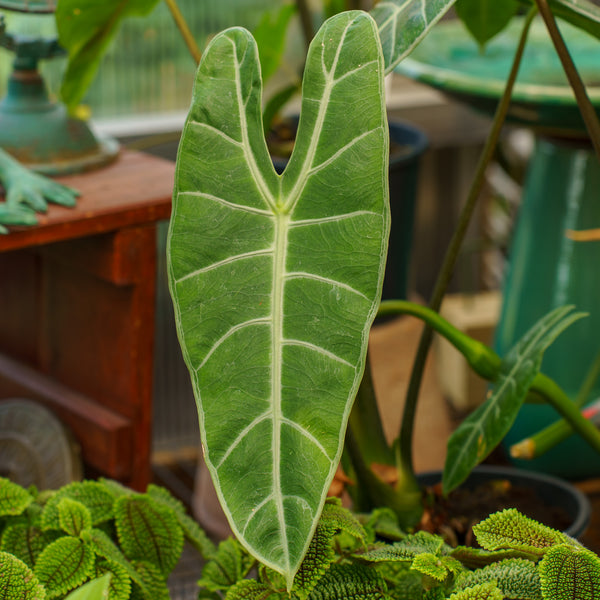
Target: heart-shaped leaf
[
  {"x": 402, "y": 24},
  {"x": 276, "y": 279}
]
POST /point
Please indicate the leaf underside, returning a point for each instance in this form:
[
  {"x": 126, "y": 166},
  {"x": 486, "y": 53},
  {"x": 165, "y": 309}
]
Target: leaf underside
[{"x": 276, "y": 279}]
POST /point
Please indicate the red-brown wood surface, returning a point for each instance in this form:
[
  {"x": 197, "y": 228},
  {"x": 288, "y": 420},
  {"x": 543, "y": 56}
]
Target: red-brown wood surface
[
  {"x": 134, "y": 189},
  {"x": 77, "y": 296}
]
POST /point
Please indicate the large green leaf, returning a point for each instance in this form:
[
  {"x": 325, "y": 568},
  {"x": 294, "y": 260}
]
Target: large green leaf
[
  {"x": 485, "y": 18},
  {"x": 276, "y": 279},
  {"x": 402, "y": 24},
  {"x": 485, "y": 427},
  {"x": 85, "y": 28}
]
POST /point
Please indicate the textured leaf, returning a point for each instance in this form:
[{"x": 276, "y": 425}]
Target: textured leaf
[
  {"x": 85, "y": 28},
  {"x": 336, "y": 516},
  {"x": 350, "y": 582},
  {"x": 402, "y": 24},
  {"x": 104, "y": 547},
  {"x": 64, "y": 565},
  {"x": 120, "y": 582},
  {"x": 148, "y": 532},
  {"x": 484, "y": 591},
  {"x": 26, "y": 542},
  {"x": 516, "y": 578},
  {"x": 74, "y": 517},
  {"x": 13, "y": 498},
  {"x": 411, "y": 546},
  {"x": 93, "y": 495},
  {"x": 476, "y": 558},
  {"x": 384, "y": 523},
  {"x": 97, "y": 589},
  {"x": 486, "y": 18},
  {"x": 485, "y": 427},
  {"x": 230, "y": 564},
  {"x": 430, "y": 565},
  {"x": 250, "y": 589},
  {"x": 510, "y": 529},
  {"x": 154, "y": 582},
  {"x": 17, "y": 582},
  {"x": 567, "y": 572},
  {"x": 191, "y": 530},
  {"x": 317, "y": 560},
  {"x": 276, "y": 280}
]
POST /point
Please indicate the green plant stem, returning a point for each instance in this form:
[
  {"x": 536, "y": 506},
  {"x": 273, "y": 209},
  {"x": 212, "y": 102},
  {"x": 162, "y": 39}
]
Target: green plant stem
[
  {"x": 366, "y": 425},
  {"x": 586, "y": 108},
  {"x": 447, "y": 269},
  {"x": 557, "y": 398},
  {"x": 305, "y": 21},
  {"x": 182, "y": 25},
  {"x": 483, "y": 360}
]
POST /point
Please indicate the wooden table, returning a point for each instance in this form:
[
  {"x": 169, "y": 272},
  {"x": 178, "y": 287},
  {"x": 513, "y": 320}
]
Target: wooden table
[{"x": 77, "y": 312}]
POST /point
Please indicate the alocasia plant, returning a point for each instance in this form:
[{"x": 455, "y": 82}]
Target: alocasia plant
[{"x": 288, "y": 271}]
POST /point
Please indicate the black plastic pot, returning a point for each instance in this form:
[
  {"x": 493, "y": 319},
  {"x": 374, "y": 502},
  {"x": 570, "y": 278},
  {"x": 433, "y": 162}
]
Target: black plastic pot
[
  {"x": 550, "y": 490},
  {"x": 407, "y": 145}
]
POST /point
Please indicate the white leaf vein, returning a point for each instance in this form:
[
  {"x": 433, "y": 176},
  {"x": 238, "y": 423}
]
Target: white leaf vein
[
  {"x": 232, "y": 330},
  {"x": 341, "y": 151},
  {"x": 225, "y": 261},
  {"x": 308, "y": 435},
  {"x": 319, "y": 350},
  {"x": 334, "y": 218},
  {"x": 233, "y": 205},
  {"x": 328, "y": 280},
  {"x": 216, "y": 131}
]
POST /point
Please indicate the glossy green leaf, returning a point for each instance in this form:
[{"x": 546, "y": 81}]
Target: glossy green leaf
[
  {"x": 486, "y": 18},
  {"x": 17, "y": 582},
  {"x": 402, "y": 24},
  {"x": 85, "y": 28},
  {"x": 97, "y": 589},
  {"x": 485, "y": 427},
  {"x": 276, "y": 279}
]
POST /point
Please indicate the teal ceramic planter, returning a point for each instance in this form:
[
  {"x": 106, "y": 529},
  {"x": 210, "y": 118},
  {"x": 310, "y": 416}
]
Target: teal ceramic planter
[{"x": 549, "y": 269}]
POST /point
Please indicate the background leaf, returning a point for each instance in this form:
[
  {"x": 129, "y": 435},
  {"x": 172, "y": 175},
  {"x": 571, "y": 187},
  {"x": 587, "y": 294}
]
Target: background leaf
[
  {"x": 13, "y": 498},
  {"x": 486, "y": 18},
  {"x": 97, "y": 589},
  {"x": 402, "y": 24},
  {"x": 581, "y": 13},
  {"x": 484, "y": 428},
  {"x": 276, "y": 280},
  {"x": 85, "y": 28}
]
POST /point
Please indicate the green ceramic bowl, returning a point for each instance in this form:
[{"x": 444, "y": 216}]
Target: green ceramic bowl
[{"x": 450, "y": 60}]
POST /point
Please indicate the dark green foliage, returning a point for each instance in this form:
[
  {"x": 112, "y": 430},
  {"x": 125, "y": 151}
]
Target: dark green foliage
[
  {"x": 91, "y": 528},
  {"x": 250, "y": 589},
  {"x": 193, "y": 533},
  {"x": 148, "y": 531},
  {"x": 383, "y": 523},
  {"x": 350, "y": 582},
  {"x": 230, "y": 564}
]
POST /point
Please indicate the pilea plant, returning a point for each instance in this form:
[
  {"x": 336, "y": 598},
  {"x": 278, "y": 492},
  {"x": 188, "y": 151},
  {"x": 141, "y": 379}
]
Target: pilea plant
[
  {"x": 276, "y": 280},
  {"x": 52, "y": 542},
  {"x": 369, "y": 556}
]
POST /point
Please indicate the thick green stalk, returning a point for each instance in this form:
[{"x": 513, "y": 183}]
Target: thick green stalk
[
  {"x": 182, "y": 25},
  {"x": 305, "y": 21},
  {"x": 557, "y": 398},
  {"x": 366, "y": 425},
  {"x": 586, "y": 108},
  {"x": 407, "y": 427}
]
